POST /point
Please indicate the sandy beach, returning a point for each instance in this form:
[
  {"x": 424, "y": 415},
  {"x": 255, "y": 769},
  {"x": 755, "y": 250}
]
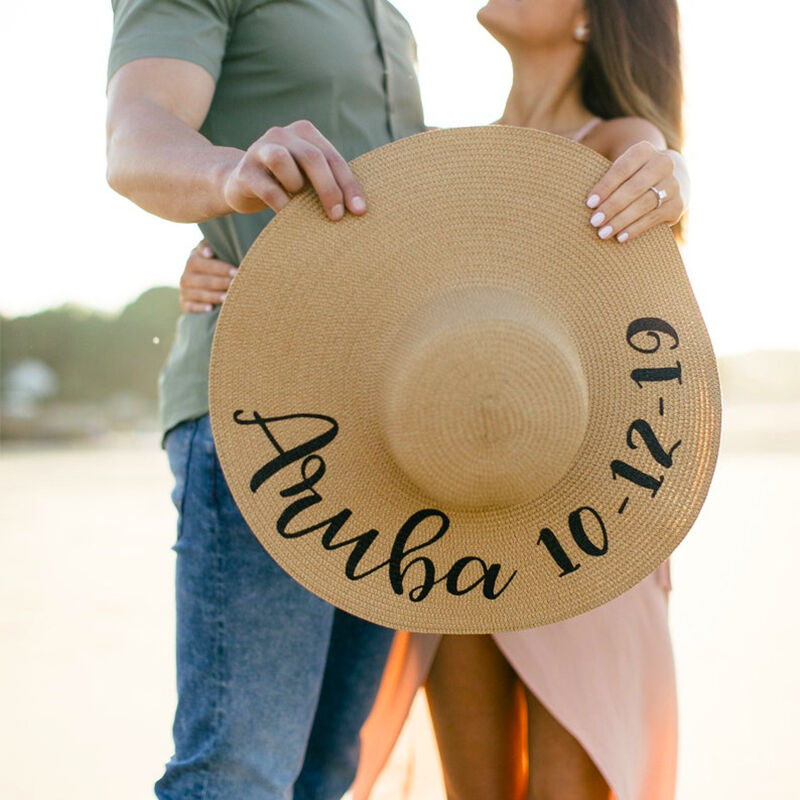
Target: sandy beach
[{"x": 87, "y": 629}]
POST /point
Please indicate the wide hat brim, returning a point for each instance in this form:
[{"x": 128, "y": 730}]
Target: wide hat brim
[{"x": 316, "y": 378}]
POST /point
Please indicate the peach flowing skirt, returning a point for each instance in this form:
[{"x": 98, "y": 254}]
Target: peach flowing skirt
[{"x": 607, "y": 676}]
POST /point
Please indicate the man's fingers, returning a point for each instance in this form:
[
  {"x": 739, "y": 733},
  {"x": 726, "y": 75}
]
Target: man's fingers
[
  {"x": 267, "y": 190},
  {"x": 322, "y": 165},
  {"x": 319, "y": 173},
  {"x": 280, "y": 162},
  {"x": 351, "y": 188}
]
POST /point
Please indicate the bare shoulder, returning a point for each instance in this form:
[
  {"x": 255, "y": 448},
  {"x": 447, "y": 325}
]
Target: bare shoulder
[{"x": 612, "y": 137}]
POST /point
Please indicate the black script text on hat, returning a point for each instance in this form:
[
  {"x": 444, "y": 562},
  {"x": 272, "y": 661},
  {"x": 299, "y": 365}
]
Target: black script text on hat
[{"x": 398, "y": 564}]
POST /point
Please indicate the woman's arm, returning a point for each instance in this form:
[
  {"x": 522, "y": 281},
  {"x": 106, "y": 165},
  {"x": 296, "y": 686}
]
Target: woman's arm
[{"x": 623, "y": 204}]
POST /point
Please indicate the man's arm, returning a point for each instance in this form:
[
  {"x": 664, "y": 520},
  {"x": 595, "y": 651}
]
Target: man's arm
[{"x": 158, "y": 159}]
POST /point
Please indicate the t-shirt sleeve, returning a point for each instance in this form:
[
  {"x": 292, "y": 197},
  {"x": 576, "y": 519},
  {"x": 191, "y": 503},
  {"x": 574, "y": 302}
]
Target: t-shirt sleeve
[{"x": 193, "y": 30}]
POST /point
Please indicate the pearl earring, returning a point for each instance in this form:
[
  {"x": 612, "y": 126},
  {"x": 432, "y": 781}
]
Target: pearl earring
[{"x": 581, "y": 33}]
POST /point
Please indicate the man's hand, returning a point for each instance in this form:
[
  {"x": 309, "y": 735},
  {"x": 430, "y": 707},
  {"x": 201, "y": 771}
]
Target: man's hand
[
  {"x": 158, "y": 158},
  {"x": 281, "y": 162}
]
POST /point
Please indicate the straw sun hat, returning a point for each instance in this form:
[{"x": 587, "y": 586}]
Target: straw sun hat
[{"x": 463, "y": 412}]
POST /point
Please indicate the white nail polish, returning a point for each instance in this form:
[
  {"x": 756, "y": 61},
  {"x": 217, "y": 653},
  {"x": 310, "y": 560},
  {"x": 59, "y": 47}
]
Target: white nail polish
[
  {"x": 623, "y": 237},
  {"x": 222, "y": 297},
  {"x": 593, "y": 201},
  {"x": 604, "y": 233},
  {"x": 598, "y": 218},
  {"x": 232, "y": 272}
]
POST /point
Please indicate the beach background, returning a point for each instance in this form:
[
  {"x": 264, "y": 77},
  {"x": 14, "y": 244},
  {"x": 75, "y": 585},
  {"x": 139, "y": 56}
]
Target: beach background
[
  {"x": 87, "y": 315},
  {"x": 87, "y": 622}
]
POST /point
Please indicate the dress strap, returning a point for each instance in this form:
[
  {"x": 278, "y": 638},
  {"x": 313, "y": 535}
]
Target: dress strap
[{"x": 584, "y": 131}]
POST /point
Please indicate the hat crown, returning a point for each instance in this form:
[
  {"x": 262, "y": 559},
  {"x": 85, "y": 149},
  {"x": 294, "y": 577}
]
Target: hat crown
[{"x": 483, "y": 400}]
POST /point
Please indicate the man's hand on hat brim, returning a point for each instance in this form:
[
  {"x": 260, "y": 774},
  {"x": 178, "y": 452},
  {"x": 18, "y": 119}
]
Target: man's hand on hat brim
[{"x": 282, "y": 162}]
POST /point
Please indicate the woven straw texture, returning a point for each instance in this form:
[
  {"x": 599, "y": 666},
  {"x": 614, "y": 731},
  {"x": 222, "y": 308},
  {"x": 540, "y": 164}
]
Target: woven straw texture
[{"x": 472, "y": 307}]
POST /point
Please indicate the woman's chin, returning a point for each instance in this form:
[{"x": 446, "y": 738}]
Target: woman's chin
[{"x": 495, "y": 16}]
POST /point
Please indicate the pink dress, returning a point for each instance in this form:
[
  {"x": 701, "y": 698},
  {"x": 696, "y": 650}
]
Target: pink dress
[{"x": 607, "y": 676}]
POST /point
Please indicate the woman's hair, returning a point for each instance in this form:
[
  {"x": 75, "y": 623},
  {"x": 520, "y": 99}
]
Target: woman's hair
[{"x": 633, "y": 65}]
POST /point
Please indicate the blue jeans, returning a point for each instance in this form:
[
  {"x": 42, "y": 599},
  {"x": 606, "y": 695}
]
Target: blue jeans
[{"x": 273, "y": 683}]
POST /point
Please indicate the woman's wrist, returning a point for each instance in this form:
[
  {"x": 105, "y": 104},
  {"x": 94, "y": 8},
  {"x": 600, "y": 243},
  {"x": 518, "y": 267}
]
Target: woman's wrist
[{"x": 682, "y": 177}]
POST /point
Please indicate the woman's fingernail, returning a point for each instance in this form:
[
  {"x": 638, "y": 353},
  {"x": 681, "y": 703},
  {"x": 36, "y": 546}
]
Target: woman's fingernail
[
  {"x": 232, "y": 272},
  {"x": 597, "y": 218},
  {"x": 604, "y": 233},
  {"x": 222, "y": 297},
  {"x": 358, "y": 204},
  {"x": 207, "y": 252},
  {"x": 337, "y": 212},
  {"x": 623, "y": 237},
  {"x": 593, "y": 201},
  {"x": 207, "y": 308}
]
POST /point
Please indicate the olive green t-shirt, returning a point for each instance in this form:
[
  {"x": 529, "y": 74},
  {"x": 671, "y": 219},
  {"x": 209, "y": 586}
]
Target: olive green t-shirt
[{"x": 348, "y": 66}]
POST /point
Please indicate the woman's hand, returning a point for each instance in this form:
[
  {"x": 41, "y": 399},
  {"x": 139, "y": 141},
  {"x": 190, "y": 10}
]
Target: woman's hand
[
  {"x": 205, "y": 280},
  {"x": 624, "y": 205}
]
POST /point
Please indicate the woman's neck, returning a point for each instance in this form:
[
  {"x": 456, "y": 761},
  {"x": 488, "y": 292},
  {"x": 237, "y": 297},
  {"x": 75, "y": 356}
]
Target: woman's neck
[{"x": 546, "y": 93}]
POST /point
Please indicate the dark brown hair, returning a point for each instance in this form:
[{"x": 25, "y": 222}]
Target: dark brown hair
[{"x": 633, "y": 64}]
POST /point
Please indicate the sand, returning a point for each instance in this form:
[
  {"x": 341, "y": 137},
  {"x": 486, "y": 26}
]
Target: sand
[{"x": 87, "y": 630}]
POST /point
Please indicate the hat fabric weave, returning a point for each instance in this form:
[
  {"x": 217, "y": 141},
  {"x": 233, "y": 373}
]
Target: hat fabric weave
[{"x": 463, "y": 412}]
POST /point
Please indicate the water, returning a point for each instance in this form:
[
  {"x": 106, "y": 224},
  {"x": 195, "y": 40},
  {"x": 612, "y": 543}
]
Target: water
[{"x": 87, "y": 631}]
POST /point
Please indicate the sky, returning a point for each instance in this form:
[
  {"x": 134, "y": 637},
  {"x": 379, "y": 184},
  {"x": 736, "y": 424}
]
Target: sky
[{"x": 72, "y": 239}]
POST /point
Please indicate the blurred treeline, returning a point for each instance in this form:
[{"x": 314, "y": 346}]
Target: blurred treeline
[{"x": 70, "y": 373}]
